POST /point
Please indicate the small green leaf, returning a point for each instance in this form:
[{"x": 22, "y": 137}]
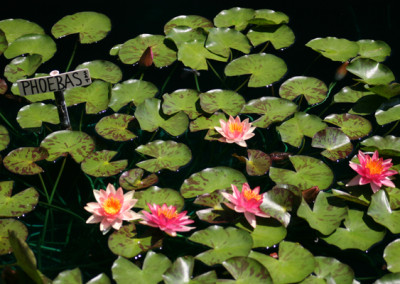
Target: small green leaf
[
  {"x": 267, "y": 233},
  {"x": 19, "y": 204},
  {"x": 15, "y": 28},
  {"x": 336, "y": 49},
  {"x": 191, "y": 21},
  {"x": 102, "y": 278},
  {"x": 132, "y": 179},
  {"x": 221, "y": 40},
  {"x": 351, "y": 94},
  {"x": 370, "y": 71},
  {"x": 114, "y": 127},
  {"x": 313, "y": 89},
  {"x": 102, "y": 69},
  {"x": 4, "y": 138},
  {"x": 374, "y": 49},
  {"x": 247, "y": 270},
  {"x": 354, "y": 126},
  {"x": 237, "y": 17},
  {"x": 72, "y": 276},
  {"x": 381, "y": 212},
  {"x": 336, "y": 144},
  {"x": 21, "y": 67},
  {"x": 280, "y": 36},
  {"x": 228, "y": 101},
  {"x": 157, "y": 195},
  {"x": 388, "y": 112},
  {"x": 33, "y": 115},
  {"x": 22, "y": 160},
  {"x": 98, "y": 164},
  {"x": 11, "y": 225},
  {"x": 32, "y": 44},
  {"x": 391, "y": 254},
  {"x": 181, "y": 100},
  {"x": 388, "y": 145}
]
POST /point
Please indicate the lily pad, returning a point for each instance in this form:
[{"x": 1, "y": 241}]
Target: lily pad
[
  {"x": 101, "y": 278},
  {"x": 388, "y": 145},
  {"x": 313, "y": 89},
  {"x": 367, "y": 105},
  {"x": 4, "y": 138},
  {"x": 72, "y": 276},
  {"x": 389, "y": 278},
  {"x": 388, "y": 112},
  {"x": 15, "y": 28},
  {"x": 3, "y": 44},
  {"x": 21, "y": 67},
  {"x": 221, "y": 40},
  {"x": 393, "y": 196},
  {"x": 114, "y": 127},
  {"x": 391, "y": 254},
  {"x": 7, "y": 225},
  {"x": 354, "y": 126},
  {"x": 91, "y": 26},
  {"x": 102, "y": 69},
  {"x": 236, "y": 17},
  {"x": 336, "y": 49},
  {"x": 19, "y": 204},
  {"x": 330, "y": 268},
  {"x": 191, "y": 21},
  {"x": 22, "y": 160},
  {"x": 181, "y": 34},
  {"x": 207, "y": 123},
  {"x": 326, "y": 214},
  {"x": 61, "y": 143},
  {"x": 247, "y": 270},
  {"x": 228, "y": 101},
  {"x": 381, "y": 212},
  {"x": 257, "y": 163},
  {"x": 136, "y": 91},
  {"x": 98, "y": 164},
  {"x": 269, "y": 17},
  {"x": 308, "y": 172},
  {"x": 167, "y": 155},
  {"x": 280, "y": 36},
  {"x": 264, "y": 68},
  {"x": 351, "y": 94},
  {"x": 211, "y": 179},
  {"x": 33, "y": 115},
  {"x": 370, "y": 71},
  {"x": 359, "y": 232},
  {"x": 132, "y": 50},
  {"x": 159, "y": 196},
  {"x": 132, "y": 179},
  {"x": 336, "y": 144},
  {"x": 271, "y": 109},
  {"x": 224, "y": 243},
  {"x": 302, "y": 124},
  {"x": 374, "y": 49},
  {"x": 150, "y": 119},
  {"x": 387, "y": 91},
  {"x": 181, "y": 100},
  {"x": 31, "y": 44}
]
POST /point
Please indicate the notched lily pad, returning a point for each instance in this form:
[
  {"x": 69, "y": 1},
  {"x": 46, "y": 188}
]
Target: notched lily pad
[
  {"x": 33, "y": 115},
  {"x": 336, "y": 49},
  {"x": 313, "y": 89},
  {"x": 22, "y": 160},
  {"x": 354, "y": 126},
  {"x": 228, "y": 101},
  {"x": 114, "y": 127},
  {"x": 236, "y": 17},
  {"x": 32, "y": 44},
  {"x": 102, "y": 69},
  {"x": 208, "y": 123},
  {"x": 159, "y": 196},
  {"x": 381, "y": 212},
  {"x": 248, "y": 270},
  {"x": 280, "y": 36},
  {"x": 181, "y": 100},
  {"x": 98, "y": 164},
  {"x": 132, "y": 179},
  {"x": 7, "y": 225},
  {"x": 18, "y": 204},
  {"x": 191, "y": 21},
  {"x": 221, "y": 40},
  {"x": 336, "y": 144}
]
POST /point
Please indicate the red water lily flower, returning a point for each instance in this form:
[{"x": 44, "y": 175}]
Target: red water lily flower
[
  {"x": 111, "y": 208},
  {"x": 374, "y": 171},
  {"x": 235, "y": 131},
  {"x": 247, "y": 201},
  {"x": 167, "y": 219}
]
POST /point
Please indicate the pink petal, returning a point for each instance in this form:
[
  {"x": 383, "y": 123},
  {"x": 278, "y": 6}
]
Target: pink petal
[
  {"x": 388, "y": 183},
  {"x": 251, "y": 218},
  {"x": 354, "y": 181}
]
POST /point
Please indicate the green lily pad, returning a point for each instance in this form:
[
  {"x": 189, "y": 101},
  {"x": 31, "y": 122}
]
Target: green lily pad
[
  {"x": 114, "y": 127},
  {"x": 228, "y": 101},
  {"x": 150, "y": 119},
  {"x": 237, "y": 17},
  {"x": 374, "y": 49},
  {"x": 388, "y": 112},
  {"x": 313, "y": 89},
  {"x": 221, "y": 40},
  {"x": 354, "y": 126},
  {"x": 102, "y": 69},
  {"x": 154, "y": 266},
  {"x": 191, "y": 21},
  {"x": 280, "y": 36},
  {"x": 167, "y": 155},
  {"x": 72, "y": 276},
  {"x": 354, "y": 195},
  {"x": 22, "y": 160},
  {"x": 330, "y": 268},
  {"x": 257, "y": 163},
  {"x": 33, "y": 115},
  {"x": 136, "y": 91},
  {"x": 159, "y": 196},
  {"x": 391, "y": 254},
  {"x": 126, "y": 243},
  {"x": 61, "y": 143},
  {"x": 380, "y": 211},
  {"x": 271, "y": 109},
  {"x": 269, "y": 17},
  {"x": 308, "y": 172},
  {"x": 31, "y": 44},
  {"x": 7, "y": 225},
  {"x": 264, "y": 68},
  {"x": 181, "y": 100},
  {"x": 213, "y": 199},
  {"x": 98, "y": 164},
  {"x": 367, "y": 105},
  {"x": 336, "y": 49},
  {"x": 21, "y": 67},
  {"x": 182, "y": 34},
  {"x": 208, "y": 123},
  {"x": 102, "y": 278},
  {"x": 336, "y": 144},
  {"x": 359, "y": 232},
  {"x": 132, "y": 179},
  {"x": 4, "y": 138},
  {"x": 3, "y": 42},
  {"x": 388, "y": 145},
  {"x": 292, "y": 131},
  {"x": 247, "y": 270},
  {"x": 326, "y": 214},
  {"x": 91, "y": 26},
  {"x": 390, "y": 278},
  {"x": 132, "y": 50},
  {"x": 15, "y": 28},
  {"x": 294, "y": 263},
  {"x": 393, "y": 195},
  {"x": 387, "y": 91},
  {"x": 211, "y": 179},
  {"x": 19, "y": 204},
  {"x": 370, "y": 71},
  {"x": 224, "y": 243},
  {"x": 351, "y": 94}
]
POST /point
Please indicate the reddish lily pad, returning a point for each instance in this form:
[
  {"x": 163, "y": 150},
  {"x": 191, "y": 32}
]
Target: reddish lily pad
[
  {"x": 21, "y": 67},
  {"x": 15, "y": 28},
  {"x": 61, "y": 143},
  {"x": 370, "y": 71},
  {"x": 308, "y": 172},
  {"x": 102, "y": 69},
  {"x": 388, "y": 145},
  {"x": 191, "y": 21},
  {"x": 264, "y": 68},
  {"x": 391, "y": 254},
  {"x": 351, "y": 94},
  {"x": 280, "y": 36},
  {"x": 228, "y": 101},
  {"x": 33, "y": 115},
  {"x": 388, "y": 112},
  {"x": 221, "y": 40},
  {"x": 98, "y": 164},
  {"x": 336, "y": 49},
  {"x": 132, "y": 179},
  {"x": 271, "y": 109},
  {"x": 374, "y": 49},
  {"x": 181, "y": 100},
  {"x": 31, "y": 44},
  {"x": 381, "y": 212},
  {"x": 19, "y": 204},
  {"x": 114, "y": 127},
  {"x": 313, "y": 89},
  {"x": 211, "y": 179},
  {"x": 22, "y": 160},
  {"x": 91, "y": 26},
  {"x": 354, "y": 126},
  {"x": 4, "y": 138},
  {"x": 7, "y": 225},
  {"x": 247, "y": 270},
  {"x": 336, "y": 144},
  {"x": 257, "y": 163},
  {"x": 237, "y": 17},
  {"x": 159, "y": 196},
  {"x": 167, "y": 155}
]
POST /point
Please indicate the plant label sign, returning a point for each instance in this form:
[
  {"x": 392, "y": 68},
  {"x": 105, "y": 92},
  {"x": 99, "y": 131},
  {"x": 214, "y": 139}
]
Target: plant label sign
[{"x": 56, "y": 83}]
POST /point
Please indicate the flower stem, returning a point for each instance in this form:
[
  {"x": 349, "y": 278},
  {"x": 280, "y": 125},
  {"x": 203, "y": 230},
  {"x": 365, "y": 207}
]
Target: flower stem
[
  {"x": 72, "y": 55},
  {"x": 391, "y": 129},
  {"x": 238, "y": 88},
  {"x": 197, "y": 82}
]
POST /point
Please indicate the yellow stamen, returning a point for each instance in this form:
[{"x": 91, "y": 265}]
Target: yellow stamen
[
  {"x": 235, "y": 127},
  {"x": 112, "y": 205},
  {"x": 168, "y": 213},
  {"x": 250, "y": 194},
  {"x": 374, "y": 166}
]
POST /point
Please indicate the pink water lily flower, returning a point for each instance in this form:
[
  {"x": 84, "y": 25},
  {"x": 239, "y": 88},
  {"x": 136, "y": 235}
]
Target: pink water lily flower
[
  {"x": 111, "y": 208},
  {"x": 374, "y": 171},
  {"x": 167, "y": 219},
  {"x": 247, "y": 201},
  {"x": 235, "y": 131}
]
